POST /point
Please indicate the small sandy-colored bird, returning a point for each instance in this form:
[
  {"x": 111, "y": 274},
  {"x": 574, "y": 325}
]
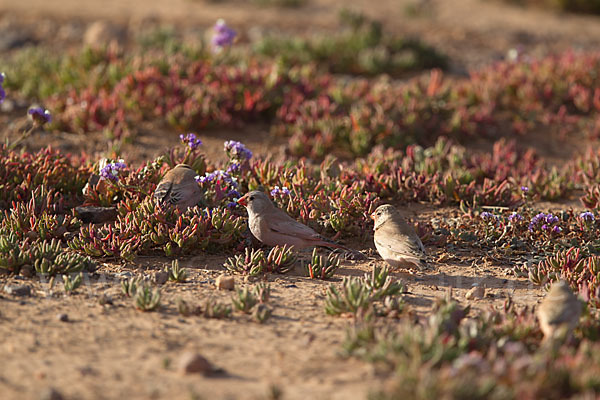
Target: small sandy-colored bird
[
  {"x": 396, "y": 241},
  {"x": 559, "y": 312},
  {"x": 273, "y": 227},
  {"x": 179, "y": 187}
]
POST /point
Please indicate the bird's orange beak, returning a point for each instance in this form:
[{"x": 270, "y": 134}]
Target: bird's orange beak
[
  {"x": 373, "y": 216},
  {"x": 243, "y": 201}
]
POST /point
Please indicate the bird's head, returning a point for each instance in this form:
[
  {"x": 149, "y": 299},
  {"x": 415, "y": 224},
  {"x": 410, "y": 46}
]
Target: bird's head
[
  {"x": 256, "y": 202},
  {"x": 384, "y": 213}
]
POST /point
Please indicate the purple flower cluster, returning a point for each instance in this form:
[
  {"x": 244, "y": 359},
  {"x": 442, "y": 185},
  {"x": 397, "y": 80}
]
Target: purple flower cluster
[
  {"x": 224, "y": 185},
  {"x": 237, "y": 150},
  {"x": 223, "y": 36},
  {"x": 191, "y": 140},
  {"x": 488, "y": 215},
  {"x": 111, "y": 171},
  {"x": 39, "y": 115},
  {"x": 524, "y": 189},
  {"x": 515, "y": 217},
  {"x": 277, "y": 191},
  {"x": 587, "y": 216},
  {"x": 2, "y": 92},
  {"x": 546, "y": 221},
  {"x": 218, "y": 176}
]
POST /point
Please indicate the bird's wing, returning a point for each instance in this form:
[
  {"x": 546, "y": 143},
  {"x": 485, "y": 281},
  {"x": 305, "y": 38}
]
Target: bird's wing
[
  {"x": 278, "y": 221},
  {"x": 406, "y": 245},
  {"x": 163, "y": 191},
  {"x": 175, "y": 193}
]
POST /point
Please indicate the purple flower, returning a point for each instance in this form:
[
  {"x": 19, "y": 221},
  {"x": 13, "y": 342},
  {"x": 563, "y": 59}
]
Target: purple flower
[
  {"x": 237, "y": 150},
  {"x": 223, "y": 36},
  {"x": 2, "y": 92},
  {"x": 587, "y": 216},
  {"x": 515, "y": 216},
  {"x": 39, "y": 115},
  {"x": 201, "y": 179},
  {"x": 486, "y": 215},
  {"x": 111, "y": 171},
  {"x": 556, "y": 229},
  {"x": 234, "y": 193},
  {"x": 524, "y": 189},
  {"x": 277, "y": 191},
  {"x": 232, "y": 204},
  {"x": 233, "y": 168},
  {"x": 191, "y": 140}
]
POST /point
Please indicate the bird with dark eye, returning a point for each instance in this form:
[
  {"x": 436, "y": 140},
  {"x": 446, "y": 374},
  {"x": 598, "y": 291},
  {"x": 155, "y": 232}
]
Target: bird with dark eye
[
  {"x": 396, "y": 241},
  {"x": 274, "y": 227}
]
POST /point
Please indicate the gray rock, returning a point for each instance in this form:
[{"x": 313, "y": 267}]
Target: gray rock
[
  {"x": 10, "y": 40},
  {"x": 95, "y": 215},
  {"x": 161, "y": 277},
  {"x": 18, "y": 290}
]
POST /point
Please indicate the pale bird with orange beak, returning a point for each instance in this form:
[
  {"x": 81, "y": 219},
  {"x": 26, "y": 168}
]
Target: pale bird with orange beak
[
  {"x": 396, "y": 241},
  {"x": 179, "y": 187},
  {"x": 559, "y": 312},
  {"x": 274, "y": 227}
]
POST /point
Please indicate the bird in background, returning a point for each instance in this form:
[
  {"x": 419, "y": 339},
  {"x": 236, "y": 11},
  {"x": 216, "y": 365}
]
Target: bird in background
[
  {"x": 274, "y": 227},
  {"x": 396, "y": 241},
  {"x": 179, "y": 187},
  {"x": 559, "y": 312}
]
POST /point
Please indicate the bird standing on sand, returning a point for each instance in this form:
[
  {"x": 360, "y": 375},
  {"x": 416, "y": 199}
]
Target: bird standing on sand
[
  {"x": 179, "y": 187},
  {"x": 273, "y": 227},
  {"x": 396, "y": 241},
  {"x": 559, "y": 312}
]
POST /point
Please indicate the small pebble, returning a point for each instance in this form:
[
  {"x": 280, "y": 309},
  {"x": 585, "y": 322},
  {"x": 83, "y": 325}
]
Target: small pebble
[
  {"x": 225, "y": 282},
  {"x": 101, "y": 33},
  {"x": 105, "y": 299},
  {"x": 62, "y": 317},
  {"x": 51, "y": 394},
  {"x": 18, "y": 290},
  {"x": 193, "y": 363},
  {"x": 161, "y": 277},
  {"x": 476, "y": 292},
  {"x": 27, "y": 271}
]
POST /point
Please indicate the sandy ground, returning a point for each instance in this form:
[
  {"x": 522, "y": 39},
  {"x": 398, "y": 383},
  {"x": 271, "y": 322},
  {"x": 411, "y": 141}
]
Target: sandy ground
[{"x": 115, "y": 351}]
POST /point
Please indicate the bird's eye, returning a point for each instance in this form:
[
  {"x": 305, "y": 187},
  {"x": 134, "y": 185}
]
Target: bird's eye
[{"x": 251, "y": 198}]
